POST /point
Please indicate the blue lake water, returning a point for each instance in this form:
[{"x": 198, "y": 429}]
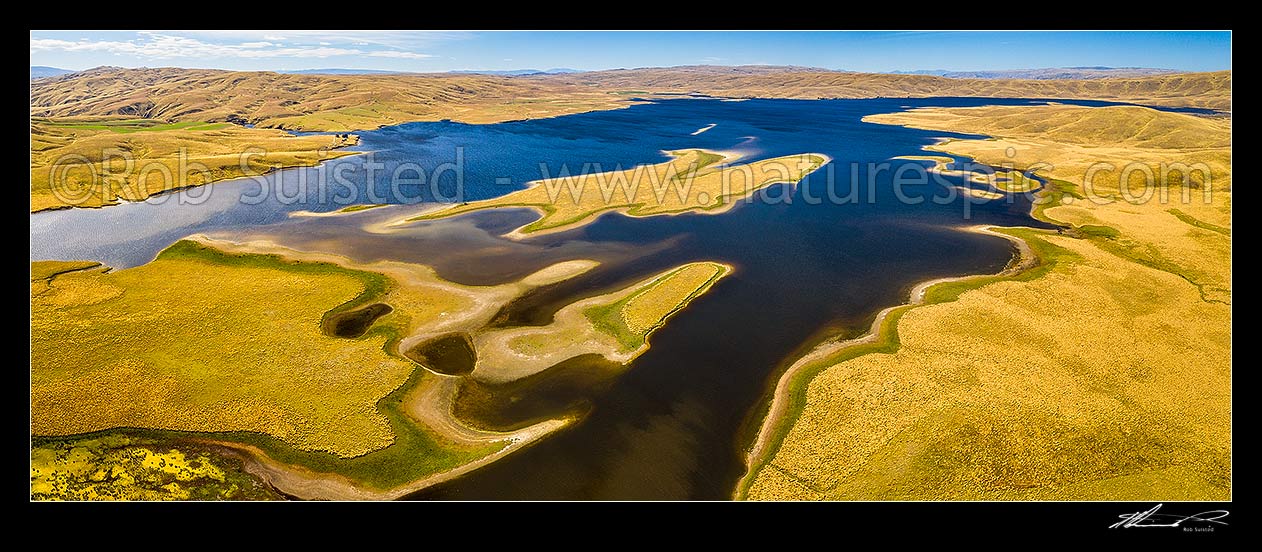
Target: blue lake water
[{"x": 669, "y": 426}]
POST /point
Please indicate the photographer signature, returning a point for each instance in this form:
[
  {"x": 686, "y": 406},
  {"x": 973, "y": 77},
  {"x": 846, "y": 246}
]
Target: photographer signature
[{"x": 1151, "y": 518}]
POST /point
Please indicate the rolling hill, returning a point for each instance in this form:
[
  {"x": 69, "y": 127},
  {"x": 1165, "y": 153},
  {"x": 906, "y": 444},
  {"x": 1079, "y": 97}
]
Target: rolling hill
[{"x": 356, "y": 102}]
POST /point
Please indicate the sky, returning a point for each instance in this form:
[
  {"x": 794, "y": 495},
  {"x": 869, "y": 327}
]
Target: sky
[{"x": 434, "y": 51}]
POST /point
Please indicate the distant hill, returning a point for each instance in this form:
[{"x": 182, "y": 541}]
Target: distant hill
[
  {"x": 518, "y": 72},
  {"x": 1203, "y": 90},
  {"x": 1051, "y": 73},
  {"x": 41, "y": 71},
  {"x": 355, "y": 102},
  {"x": 334, "y": 71}
]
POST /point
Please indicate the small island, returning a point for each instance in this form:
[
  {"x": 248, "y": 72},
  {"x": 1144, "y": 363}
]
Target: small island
[{"x": 693, "y": 181}]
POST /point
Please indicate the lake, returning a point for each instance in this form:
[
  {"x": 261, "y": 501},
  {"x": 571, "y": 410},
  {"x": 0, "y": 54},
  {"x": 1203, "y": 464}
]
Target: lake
[{"x": 673, "y": 424}]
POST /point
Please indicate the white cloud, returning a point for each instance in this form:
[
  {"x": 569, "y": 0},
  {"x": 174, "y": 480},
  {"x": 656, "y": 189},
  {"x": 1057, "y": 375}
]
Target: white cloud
[
  {"x": 508, "y": 59},
  {"x": 398, "y": 54},
  {"x": 399, "y": 40},
  {"x": 166, "y": 46}
]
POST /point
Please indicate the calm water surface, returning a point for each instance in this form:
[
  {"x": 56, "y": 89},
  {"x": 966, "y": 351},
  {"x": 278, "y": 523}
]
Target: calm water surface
[{"x": 669, "y": 425}]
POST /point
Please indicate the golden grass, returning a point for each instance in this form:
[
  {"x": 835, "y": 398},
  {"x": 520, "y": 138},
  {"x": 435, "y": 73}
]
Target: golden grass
[
  {"x": 647, "y": 309},
  {"x": 1064, "y": 142},
  {"x": 692, "y": 181},
  {"x": 1107, "y": 377},
  {"x": 72, "y": 157},
  {"x": 124, "y": 468},
  {"x": 185, "y": 344}
]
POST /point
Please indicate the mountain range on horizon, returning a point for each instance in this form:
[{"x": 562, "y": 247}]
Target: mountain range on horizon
[
  {"x": 41, "y": 71},
  {"x": 1050, "y": 73}
]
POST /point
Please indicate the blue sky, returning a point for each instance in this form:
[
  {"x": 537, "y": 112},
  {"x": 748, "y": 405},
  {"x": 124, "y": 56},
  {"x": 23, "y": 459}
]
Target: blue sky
[{"x": 448, "y": 50}]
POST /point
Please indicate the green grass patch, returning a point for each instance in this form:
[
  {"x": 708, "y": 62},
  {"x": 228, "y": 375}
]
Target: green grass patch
[
  {"x": 357, "y": 208},
  {"x": 1099, "y": 231},
  {"x": 1189, "y": 219},
  {"x": 608, "y": 319},
  {"x": 128, "y": 126}
]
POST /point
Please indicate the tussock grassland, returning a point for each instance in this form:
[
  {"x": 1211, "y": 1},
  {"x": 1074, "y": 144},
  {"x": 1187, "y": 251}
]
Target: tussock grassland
[
  {"x": 692, "y": 181},
  {"x": 118, "y": 467},
  {"x": 163, "y": 157},
  {"x": 1105, "y": 373}
]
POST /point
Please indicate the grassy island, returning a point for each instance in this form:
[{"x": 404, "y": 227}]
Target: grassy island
[
  {"x": 693, "y": 181},
  {"x": 616, "y": 325}
]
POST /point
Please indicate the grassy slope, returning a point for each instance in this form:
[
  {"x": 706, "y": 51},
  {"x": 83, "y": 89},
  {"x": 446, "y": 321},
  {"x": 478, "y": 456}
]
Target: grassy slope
[
  {"x": 1102, "y": 374},
  {"x": 211, "y": 152},
  {"x": 180, "y": 340},
  {"x": 191, "y": 348},
  {"x": 690, "y": 182}
]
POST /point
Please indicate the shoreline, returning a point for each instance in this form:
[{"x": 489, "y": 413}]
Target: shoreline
[
  {"x": 426, "y": 400},
  {"x": 761, "y": 451}
]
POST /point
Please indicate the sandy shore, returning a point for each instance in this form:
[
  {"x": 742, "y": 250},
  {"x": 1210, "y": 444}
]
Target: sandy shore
[
  {"x": 420, "y": 403},
  {"x": 429, "y": 403}
]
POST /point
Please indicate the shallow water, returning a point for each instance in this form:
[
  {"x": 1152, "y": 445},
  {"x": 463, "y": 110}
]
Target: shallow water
[{"x": 668, "y": 425}]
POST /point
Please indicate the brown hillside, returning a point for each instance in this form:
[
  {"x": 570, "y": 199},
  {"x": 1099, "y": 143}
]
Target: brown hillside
[
  {"x": 351, "y": 102},
  {"x": 1207, "y": 90}
]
